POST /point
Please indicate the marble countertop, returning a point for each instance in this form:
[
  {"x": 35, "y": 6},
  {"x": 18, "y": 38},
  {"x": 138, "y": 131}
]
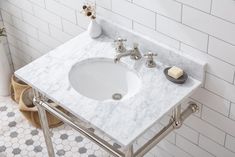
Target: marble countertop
[{"x": 123, "y": 121}]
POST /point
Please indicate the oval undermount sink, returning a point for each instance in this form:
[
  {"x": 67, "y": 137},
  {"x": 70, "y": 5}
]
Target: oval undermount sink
[{"x": 101, "y": 79}]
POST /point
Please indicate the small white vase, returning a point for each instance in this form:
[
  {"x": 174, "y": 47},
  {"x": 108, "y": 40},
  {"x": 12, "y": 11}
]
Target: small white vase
[
  {"x": 94, "y": 29},
  {"x": 5, "y": 72}
]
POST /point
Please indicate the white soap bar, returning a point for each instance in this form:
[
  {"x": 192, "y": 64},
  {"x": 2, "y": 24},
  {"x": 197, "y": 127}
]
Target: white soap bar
[{"x": 175, "y": 72}]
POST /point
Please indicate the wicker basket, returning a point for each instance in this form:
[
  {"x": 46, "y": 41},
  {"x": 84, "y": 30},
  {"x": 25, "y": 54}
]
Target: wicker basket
[
  {"x": 30, "y": 111},
  {"x": 17, "y": 86}
]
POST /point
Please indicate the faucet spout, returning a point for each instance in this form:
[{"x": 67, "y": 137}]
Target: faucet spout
[
  {"x": 121, "y": 55},
  {"x": 123, "y": 52}
]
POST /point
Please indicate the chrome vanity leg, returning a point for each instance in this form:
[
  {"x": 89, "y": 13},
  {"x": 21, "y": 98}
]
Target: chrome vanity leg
[
  {"x": 176, "y": 117},
  {"x": 129, "y": 151},
  {"x": 44, "y": 124}
]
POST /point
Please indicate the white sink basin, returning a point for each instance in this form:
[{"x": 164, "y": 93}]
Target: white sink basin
[{"x": 101, "y": 79}]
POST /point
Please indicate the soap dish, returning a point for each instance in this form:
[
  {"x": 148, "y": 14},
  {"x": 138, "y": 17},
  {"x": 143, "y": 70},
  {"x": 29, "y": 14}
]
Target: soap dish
[{"x": 180, "y": 80}]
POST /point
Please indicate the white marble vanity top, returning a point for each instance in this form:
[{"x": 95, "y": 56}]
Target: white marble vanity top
[{"x": 123, "y": 121}]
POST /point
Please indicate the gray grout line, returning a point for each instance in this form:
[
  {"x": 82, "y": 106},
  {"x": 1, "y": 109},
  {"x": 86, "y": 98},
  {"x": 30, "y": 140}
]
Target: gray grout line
[
  {"x": 221, "y": 60},
  {"x": 61, "y": 22},
  {"x": 181, "y": 17},
  {"x": 44, "y": 3},
  {"x": 209, "y": 54},
  {"x": 222, "y": 40},
  {"x": 230, "y": 135},
  {"x": 132, "y": 24},
  {"x": 20, "y": 51},
  {"x": 134, "y": 21},
  {"x": 214, "y": 111},
  {"x": 208, "y": 42},
  {"x": 117, "y": 13},
  {"x": 49, "y": 12},
  {"x": 234, "y": 78},
  {"x": 19, "y": 8},
  {"x": 156, "y": 12},
  {"x": 230, "y": 106},
  {"x": 231, "y": 83},
  {"x": 180, "y": 45},
  {"x": 216, "y": 94},
  {"x": 158, "y": 32},
  {"x": 27, "y": 45},
  {"x": 207, "y": 72},
  {"x": 76, "y": 15},
  {"x": 198, "y": 144},
  {"x": 156, "y": 22},
  {"x": 208, "y": 13},
  {"x": 198, "y": 138},
  {"x": 233, "y": 151},
  {"x": 217, "y": 126},
  {"x": 219, "y": 17},
  {"x": 224, "y": 145},
  {"x": 111, "y": 7},
  {"x": 190, "y": 6},
  {"x": 203, "y": 148},
  {"x": 204, "y": 52},
  {"x": 199, "y": 31},
  {"x": 202, "y": 133},
  {"x": 186, "y": 25},
  {"x": 177, "y": 147},
  {"x": 122, "y": 15},
  {"x": 20, "y": 29},
  {"x": 225, "y": 139},
  {"x": 206, "y": 33},
  {"x": 164, "y": 151},
  {"x": 40, "y": 30},
  {"x": 211, "y": 6},
  {"x": 175, "y": 139},
  {"x": 223, "y": 19}
]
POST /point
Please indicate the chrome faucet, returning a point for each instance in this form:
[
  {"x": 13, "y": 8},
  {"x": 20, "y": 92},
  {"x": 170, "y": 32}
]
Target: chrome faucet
[
  {"x": 150, "y": 63},
  {"x": 133, "y": 53},
  {"x": 119, "y": 45}
]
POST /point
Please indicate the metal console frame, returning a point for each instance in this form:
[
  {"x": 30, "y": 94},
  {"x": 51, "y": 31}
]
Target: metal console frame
[{"x": 174, "y": 123}]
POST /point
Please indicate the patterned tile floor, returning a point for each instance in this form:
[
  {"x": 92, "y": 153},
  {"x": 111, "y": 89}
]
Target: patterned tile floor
[{"x": 18, "y": 138}]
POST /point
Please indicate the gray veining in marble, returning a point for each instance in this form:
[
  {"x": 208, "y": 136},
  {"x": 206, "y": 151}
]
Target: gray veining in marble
[{"x": 124, "y": 120}]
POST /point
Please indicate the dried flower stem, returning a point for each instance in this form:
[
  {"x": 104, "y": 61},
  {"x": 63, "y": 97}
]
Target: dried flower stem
[
  {"x": 89, "y": 10},
  {"x": 2, "y": 32}
]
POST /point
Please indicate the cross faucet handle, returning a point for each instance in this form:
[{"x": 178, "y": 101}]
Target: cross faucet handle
[
  {"x": 150, "y": 55},
  {"x": 119, "y": 39},
  {"x": 120, "y": 47},
  {"x": 150, "y": 63}
]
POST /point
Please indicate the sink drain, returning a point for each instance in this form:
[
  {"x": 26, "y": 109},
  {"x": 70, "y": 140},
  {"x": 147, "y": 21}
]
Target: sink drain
[{"x": 117, "y": 96}]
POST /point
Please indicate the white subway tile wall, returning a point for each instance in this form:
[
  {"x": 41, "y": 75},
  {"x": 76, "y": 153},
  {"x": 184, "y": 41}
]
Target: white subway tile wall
[
  {"x": 5, "y": 42},
  {"x": 182, "y": 32},
  {"x": 204, "y": 29},
  {"x": 213, "y": 147}
]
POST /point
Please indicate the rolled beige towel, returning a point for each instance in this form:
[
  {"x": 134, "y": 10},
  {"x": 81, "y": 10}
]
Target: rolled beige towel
[
  {"x": 30, "y": 111},
  {"x": 17, "y": 87}
]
